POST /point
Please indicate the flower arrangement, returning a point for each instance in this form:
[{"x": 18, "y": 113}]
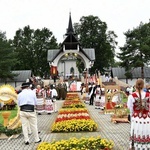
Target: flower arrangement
[
  {"x": 95, "y": 143},
  {"x": 74, "y": 125},
  {"x": 72, "y": 110},
  {"x": 73, "y": 105},
  {"x": 73, "y": 117}
]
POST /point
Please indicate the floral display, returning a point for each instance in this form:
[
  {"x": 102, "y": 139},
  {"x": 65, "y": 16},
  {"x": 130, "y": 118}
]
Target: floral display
[
  {"x": 95, "y": 143},
  {"x": 73, "y": 104},
  {"x": 73, "y": 117}
]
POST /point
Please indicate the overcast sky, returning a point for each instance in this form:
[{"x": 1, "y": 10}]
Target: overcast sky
[{"x": 119, "y": 15}]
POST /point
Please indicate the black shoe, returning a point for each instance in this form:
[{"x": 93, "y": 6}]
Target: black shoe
[
  {"x": 39, "y": 113},
  {"x": 49, "y": 113},
  {"x": 39, "y": 132},
  {"x": 27, "y": 143},
  {"x": 38, "y": 141}
]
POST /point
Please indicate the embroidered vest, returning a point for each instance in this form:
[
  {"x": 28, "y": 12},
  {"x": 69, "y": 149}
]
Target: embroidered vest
[{"x": 142, "y": 110}]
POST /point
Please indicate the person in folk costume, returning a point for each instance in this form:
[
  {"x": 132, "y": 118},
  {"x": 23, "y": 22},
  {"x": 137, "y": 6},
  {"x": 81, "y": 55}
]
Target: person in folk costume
[
  {"x": 81, "y": 88},
  {"x": 48, "y": 100},
  {"x": 98, "y": 96},
  {"x": 40, "y": 100},
  {"x": 58, "y": 89},
  {"x": 54, "y": 97},
  {"x": 63, "y": 91},
  {"x": 139, "y": 106},
  {"x": 87, "y": 99},
  {"x": 27, "y": 101},
  {"x": 92, "y": 93},
  {"x": 83, "y": 92}
]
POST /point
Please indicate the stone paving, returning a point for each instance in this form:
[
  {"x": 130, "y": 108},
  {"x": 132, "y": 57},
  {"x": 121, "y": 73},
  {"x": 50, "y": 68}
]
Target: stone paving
[{"x": 119, "y": 133}]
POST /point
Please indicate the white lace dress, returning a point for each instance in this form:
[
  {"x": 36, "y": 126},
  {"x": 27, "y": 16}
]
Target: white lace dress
[{"x": 140, "y": 120}]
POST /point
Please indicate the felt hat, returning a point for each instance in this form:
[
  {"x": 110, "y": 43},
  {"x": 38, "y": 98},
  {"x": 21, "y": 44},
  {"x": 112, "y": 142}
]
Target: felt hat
[{"x": 25, "y": 84}]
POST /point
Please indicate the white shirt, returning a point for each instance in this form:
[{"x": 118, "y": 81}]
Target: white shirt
[
  {"x": 53, "y": 93},
  {"x": 27, "y": 96}
]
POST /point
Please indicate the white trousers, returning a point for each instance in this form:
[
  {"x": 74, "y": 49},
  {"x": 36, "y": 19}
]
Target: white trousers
[
  {"x": 55, "y": 105},
  {"x": 29, "y": 119}
]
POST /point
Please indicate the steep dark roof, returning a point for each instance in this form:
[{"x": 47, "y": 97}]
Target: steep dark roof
[{"x": 70, "y": 27}]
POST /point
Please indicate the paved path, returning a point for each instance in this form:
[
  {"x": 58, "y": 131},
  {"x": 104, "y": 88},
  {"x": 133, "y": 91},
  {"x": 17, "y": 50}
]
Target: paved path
[{"x": 119, "y": 133}]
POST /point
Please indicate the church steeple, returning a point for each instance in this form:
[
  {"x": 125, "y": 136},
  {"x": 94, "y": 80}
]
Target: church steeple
[{"x": 70, "y": 27}]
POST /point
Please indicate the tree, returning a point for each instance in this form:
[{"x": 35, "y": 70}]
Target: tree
[
  {"x": 80, "y": 65},
  {"x": 32, "y": 46},
  {"x": 93, "y": 34},
  {"x": 7, "y": 58},
  {"x": 136, "y": 51}
]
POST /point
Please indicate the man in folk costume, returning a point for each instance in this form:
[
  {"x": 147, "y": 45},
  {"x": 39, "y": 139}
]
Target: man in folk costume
[
  {"x": 27, "y": 101},
  {"x": 92, "y": 93},
  {"x": 139, "y": 106},
  {"x": 40, "y": 100},
  {"x": 48, "y": 100},
  {"x": 54, "y": 97}
]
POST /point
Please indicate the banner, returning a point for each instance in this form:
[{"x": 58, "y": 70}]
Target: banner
[{"x": 53, "y": 71}]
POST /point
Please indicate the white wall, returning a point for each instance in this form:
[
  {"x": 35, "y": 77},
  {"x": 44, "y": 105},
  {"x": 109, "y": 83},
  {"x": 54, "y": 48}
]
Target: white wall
[{"x": 66, "y": 66}]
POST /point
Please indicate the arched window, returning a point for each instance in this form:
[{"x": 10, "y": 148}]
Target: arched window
[{"x": 71, "y": 70}]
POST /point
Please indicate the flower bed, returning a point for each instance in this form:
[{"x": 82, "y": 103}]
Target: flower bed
[
  {"x": 96, "y": 143},
  {"x": 73, "y": 117},
  {"x": 73, "y": 104}
]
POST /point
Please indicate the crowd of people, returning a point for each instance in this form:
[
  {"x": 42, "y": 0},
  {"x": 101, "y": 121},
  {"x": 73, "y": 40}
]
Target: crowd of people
[
  {"x": 91, "y": 93},
  {"x": 138, "y": 103},
  {"x": 44, "y": 100}
]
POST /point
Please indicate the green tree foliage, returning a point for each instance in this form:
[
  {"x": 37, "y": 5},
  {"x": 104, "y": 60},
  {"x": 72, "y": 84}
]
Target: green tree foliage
[
  {"x": 32, "y": 46},
  {"x": 7, "y": 58},
  {"x": 136, "y": 52},
  {"x": 93, "y": 34},
  {"x": 80, "y": 65}
]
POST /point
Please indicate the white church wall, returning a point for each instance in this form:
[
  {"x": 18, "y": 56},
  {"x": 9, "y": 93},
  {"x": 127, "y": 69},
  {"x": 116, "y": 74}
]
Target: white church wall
[{"x": 64, "y": 68}]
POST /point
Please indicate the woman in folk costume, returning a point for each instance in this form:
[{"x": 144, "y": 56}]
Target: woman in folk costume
[
  {"x": 139, "y": 105},
  {"x": 98, "y": 97},
  {"x": 48, "y": 100},
  {"x": 40, "y": 100}
]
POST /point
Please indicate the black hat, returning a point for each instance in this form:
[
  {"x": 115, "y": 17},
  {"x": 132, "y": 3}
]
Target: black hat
[{"x": 24, "y": 85}]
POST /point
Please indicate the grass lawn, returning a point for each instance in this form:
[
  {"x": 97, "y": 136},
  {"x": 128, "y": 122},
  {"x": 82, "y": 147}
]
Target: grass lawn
[{"x": 13, "y": 114}]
